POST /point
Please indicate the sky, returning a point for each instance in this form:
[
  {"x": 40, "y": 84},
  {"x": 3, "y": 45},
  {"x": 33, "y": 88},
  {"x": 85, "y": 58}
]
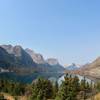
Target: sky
[{"x": 68, "y": 30}]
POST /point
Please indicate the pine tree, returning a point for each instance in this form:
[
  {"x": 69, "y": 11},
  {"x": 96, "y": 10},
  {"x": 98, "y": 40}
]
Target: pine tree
[
  {"x": 87, "y": 86},
  {"x": 68, "y": 89},
  {"x": 98, "y": 86},
  {"x": 42, "y": 89},
  {"x": 55, "y": 89},
  {"x": 83, "y": 87},
  {"x": 83, "y": 84}
]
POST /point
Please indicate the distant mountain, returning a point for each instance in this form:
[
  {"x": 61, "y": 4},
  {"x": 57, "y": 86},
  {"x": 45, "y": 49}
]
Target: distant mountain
[
  {"x": 72, "y": 67},
  {"x": 21, "y": 57},
  {"x": 14, "y": 60},
  {"x": 6, "y": 60},
  {"x": 95, "y": 63},
  {"x": 91, "y": 70},
  {"x": 55, "y": 65},
  {"x": 49, "y": 65},
  {"x": 37, "y": 58},
  {"x": 52, "y": 61}
]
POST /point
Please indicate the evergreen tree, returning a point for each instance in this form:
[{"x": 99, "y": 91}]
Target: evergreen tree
[
  {"x": 83, "y": 88},
  {"x": 55, "y": 89},
  {"x": 76, "y": 84},
  {"x": 68, "y": 89},
  {"x": 88, "y": 86},
  {"x": 83, "y": 84},
  {"x": 13, "y": 88},
  {"x": 98, "y": 86},
  {"x": 42, "y": 89}
]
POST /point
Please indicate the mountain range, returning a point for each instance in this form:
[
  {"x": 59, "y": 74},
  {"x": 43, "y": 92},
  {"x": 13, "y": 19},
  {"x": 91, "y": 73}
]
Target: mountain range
[
  {"x": 27, "y": 64},
  {"x": 19, "y": 61}
]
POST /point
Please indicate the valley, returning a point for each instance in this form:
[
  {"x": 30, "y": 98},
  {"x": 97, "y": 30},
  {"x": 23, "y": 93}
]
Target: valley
[{"x": 20, "y": 69}]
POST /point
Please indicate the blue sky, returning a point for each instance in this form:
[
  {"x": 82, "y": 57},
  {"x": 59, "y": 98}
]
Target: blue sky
[{"x": 65, "y": 29}]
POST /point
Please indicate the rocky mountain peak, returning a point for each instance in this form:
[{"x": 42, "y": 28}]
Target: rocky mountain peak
[
  {"x": 37, "y": 58},
  {"x": 16, "y": 50},
  {"x": 52, "y": 61},
  {"x": 29, "y": 50},
  {"x": 8, "y": 48}
]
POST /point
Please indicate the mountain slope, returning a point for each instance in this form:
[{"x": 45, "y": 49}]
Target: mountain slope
[
  {"x": 49, "y": 65},
  {"x": 91, "y": 70},
  {"x": 21, "y": 57},
  {"x": 37, "y": 58},
  {"x": 55, "y": 65},
  {"x": 16, "y": 60},
  {"x": 6, "y": 60},
  {"x": 26, "y": 60}
]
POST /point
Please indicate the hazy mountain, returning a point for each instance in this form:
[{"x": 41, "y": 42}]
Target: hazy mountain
[
  {"x": 73, "y": 66},
  {"x": 91, "y": 70},
  {"x": 52, "y": 61},
  {"x": 51, "y": 64},
  {"x": 37, "y": 58},
  {"x": 6, "y": 60},
  {"x": 8, "y": 48},
  {"x": 21, "y": 57},
  {"x": 25, "y": 65},
  {"x": 29, "y": 60},
  {"x": 95, "y": 63},
  {"x": 55, "y": 65}
]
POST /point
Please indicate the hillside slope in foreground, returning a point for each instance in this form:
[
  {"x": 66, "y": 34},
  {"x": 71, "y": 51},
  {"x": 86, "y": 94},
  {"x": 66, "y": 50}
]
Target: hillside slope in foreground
[{"x": 96, "y": 97}]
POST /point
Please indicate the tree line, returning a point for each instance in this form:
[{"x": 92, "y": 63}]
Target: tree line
[{"x": 43, "y": 89}]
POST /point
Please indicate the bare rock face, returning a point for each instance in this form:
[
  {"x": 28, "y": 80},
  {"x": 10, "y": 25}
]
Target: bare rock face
[
  {"x": 8, "y": 48},
  {"x": 37, "y": 58},
  {"x": 50, "y": 64},
  {"x": 52, "y": 61},
  {"x": 15, "y": 50},
  {"x": 20, "y": 57},
  {"x": 54, "y": 65}
]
